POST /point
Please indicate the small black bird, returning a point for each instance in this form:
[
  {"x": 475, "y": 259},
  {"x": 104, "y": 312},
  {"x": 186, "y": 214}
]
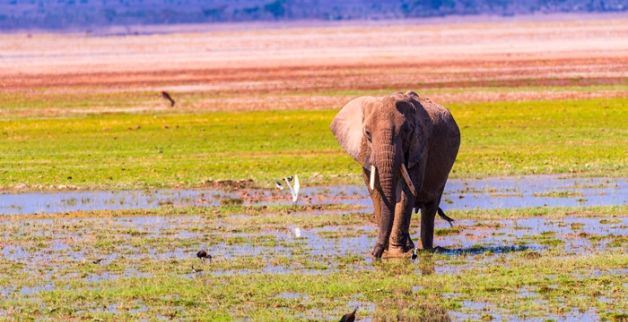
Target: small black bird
[
  {"x": 202, "y": 254},
  {"x": 167, "y": 96},
  {"x": 97, "y": 261},
  {"x": 349, "y": 317}
]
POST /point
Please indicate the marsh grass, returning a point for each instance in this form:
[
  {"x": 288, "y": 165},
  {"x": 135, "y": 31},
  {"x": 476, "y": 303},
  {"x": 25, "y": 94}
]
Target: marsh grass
[
  {"x": 121, "y": 151},
  {"x": 116, "y": 265}
]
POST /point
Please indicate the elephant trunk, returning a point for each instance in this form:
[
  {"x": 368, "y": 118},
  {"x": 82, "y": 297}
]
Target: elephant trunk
[{"x": 387, "y": 163}]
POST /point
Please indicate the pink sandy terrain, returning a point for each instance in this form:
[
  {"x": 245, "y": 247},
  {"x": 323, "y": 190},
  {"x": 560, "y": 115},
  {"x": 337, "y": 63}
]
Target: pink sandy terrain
[{"x": 453, "y": 59}]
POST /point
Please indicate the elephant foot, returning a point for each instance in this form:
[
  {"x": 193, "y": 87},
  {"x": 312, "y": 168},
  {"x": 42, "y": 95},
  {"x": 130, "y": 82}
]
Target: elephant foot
[
  {"x": 398, "y": 252},
  {"x": 400, "y": 247},
  {"x": 378, "y": 250}
]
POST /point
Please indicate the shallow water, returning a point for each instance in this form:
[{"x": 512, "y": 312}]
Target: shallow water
[
  {"x": 172, "y": 241},
  {"x": 97, "y": 250},
  {"x": 66, "y": 201},
  {"x": 535, "y": 191},
  {"x": 489, "y": 193},
  {"x": 477, "y": 240}
]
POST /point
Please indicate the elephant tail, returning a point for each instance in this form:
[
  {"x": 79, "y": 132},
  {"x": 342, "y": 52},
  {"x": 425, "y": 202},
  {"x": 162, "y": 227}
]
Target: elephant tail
[{"x": 441, "y": 213}]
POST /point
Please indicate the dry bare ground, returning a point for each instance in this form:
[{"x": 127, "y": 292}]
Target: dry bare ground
[{"x": 320, "y": 66}]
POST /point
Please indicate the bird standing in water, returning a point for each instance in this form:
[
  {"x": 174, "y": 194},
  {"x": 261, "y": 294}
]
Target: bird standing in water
[
  {"x": 167, "y": 96},
  {"x": 349, "y": 317}
]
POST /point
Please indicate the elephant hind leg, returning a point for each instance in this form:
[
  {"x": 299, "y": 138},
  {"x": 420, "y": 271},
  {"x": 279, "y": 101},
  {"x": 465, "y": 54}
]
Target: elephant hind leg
[
  {"x": 428, "y": 213},
  {"x": 407, "y": 220}
]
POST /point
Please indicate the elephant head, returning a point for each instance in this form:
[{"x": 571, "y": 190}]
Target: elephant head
[{"x": 385, "y": 135}]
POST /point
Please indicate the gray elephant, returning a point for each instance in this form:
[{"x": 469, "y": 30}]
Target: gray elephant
[{"x": 406, "y": 145}]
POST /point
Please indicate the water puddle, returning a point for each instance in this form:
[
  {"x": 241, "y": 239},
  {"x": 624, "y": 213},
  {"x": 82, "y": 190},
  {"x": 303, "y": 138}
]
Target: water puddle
[
  {"x": 535, "y": 191},
  {"x": 67, "y": 201},
  {"x": 481, "y": 311},
  {"x": 488, "y": 193},
  {"x": 292, "y": 296},
  {"x": 36, "y": 289}
]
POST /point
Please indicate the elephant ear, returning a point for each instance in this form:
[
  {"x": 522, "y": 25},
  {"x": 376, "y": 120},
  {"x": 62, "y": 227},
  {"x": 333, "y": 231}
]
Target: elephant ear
[
  {"x": 418, "y": 145},
  {"x": 348, "y": 127}
]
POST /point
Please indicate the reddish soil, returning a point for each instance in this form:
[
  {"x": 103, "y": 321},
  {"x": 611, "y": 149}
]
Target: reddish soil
[{"x": 311, "y": 66}]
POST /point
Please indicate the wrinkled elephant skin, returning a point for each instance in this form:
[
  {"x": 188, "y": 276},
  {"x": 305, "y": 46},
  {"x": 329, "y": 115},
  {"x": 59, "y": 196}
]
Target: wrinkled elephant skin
[{"x": 407, "y": 146}]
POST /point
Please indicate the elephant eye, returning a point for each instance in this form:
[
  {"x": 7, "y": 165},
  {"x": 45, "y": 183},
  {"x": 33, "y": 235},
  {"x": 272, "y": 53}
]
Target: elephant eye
[{"x": 368, "y": 134}]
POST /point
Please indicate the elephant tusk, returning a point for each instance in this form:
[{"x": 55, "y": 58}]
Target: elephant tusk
[
  {"x": 372, "y": 179},
  {"x": 406, "y": 178}
]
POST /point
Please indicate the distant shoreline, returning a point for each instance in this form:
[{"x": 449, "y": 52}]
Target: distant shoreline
[{"x": 155, "y": 29}]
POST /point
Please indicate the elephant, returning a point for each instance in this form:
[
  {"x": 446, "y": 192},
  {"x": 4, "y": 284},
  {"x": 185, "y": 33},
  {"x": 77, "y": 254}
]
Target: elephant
[{"x": 406, "y": 145}]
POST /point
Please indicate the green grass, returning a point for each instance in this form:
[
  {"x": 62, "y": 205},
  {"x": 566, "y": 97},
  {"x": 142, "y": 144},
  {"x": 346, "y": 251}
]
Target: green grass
[
  {"x": 39, "y": 99},
  {"x": 115, "y": 151},
  {"x": 389, "y": 288}
]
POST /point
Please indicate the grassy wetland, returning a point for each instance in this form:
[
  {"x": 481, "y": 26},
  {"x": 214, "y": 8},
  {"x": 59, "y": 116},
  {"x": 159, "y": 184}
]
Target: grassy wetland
[
  {"x": 548, "y": 263},
  {"x": 542, "y": 109}
]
